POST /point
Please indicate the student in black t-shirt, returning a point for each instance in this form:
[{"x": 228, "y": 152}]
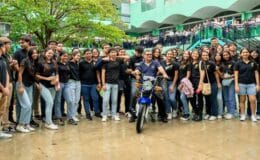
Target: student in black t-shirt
[
  {"x": 74, "y": 88},
  {"x": 218, "y": 59},
  {"x": 90, "y": 81},
  {"x": 256, "y": 58},
  {"x": 213, "y": 79},
  {"x": 4, "y": 90},
  {"x": 47, "y": 74},
  {"x": 184, "y": 72},
  {"x": 197, "y": 99},
  {"x": 24, "y": 88},
  {"x": 172, "y": 70},
  {"x": 134, "y": 62},
  {"x": 124, "y": 83},
  {"x": 246, "y": 83},
  {"x": 110, "y": 76},
  {"x": 227, "y": 74},
  {"x": 64, "y": 75}
]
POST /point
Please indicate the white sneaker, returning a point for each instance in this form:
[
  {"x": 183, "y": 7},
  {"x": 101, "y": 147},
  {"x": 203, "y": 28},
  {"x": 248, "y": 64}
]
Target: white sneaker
[
  {"x": 22, "y": 129},
  {"x": 128, "y": 114},
  {"x": 5, "y": 135},
  {"x": 51, "y": 126},
  {"x": 169, "y": 116},
  {"x": 116, "y": 118},
  {"x": 258, "y": 117},
  {"x": 242, "y": 117},
  {"x": 75, "y": 119},
  {"x": 206, "y": 117},
  {"x": 253, "y": 118},
  {"x": 30, "y": 128},
  {"x": 104, "y": 119},
  {"x": 220, "y": 117},
  {"x": 174, "y": 114},
  {"x": 228, "y": 116},
  {"x": 212, "y": 118}
]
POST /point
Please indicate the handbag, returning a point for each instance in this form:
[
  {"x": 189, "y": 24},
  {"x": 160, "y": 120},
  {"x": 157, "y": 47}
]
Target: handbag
[
  {"x": 228, "y": 81},
  {"x": 206, "y": 87}
]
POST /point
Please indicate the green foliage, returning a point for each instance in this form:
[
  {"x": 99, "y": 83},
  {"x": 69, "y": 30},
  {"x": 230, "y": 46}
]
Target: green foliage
[{"x": 62, "y": 20}]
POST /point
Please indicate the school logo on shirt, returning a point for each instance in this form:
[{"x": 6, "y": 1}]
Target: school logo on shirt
[
  {"x": 182, "y": 66},
  {"x": 153, "y": 67},
  {"x": 252, "y": 64},
  {"x": 137, "y": 64},
  {"x": 208, "y": 66},
  {"x": 196, "y": 66},
  {"x": 229, "y": 66},
  {"x": 168, "y": 67}
]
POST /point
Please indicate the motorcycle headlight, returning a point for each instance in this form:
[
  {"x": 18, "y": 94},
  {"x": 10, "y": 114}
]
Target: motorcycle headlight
[{"x": 147, "y": 85}]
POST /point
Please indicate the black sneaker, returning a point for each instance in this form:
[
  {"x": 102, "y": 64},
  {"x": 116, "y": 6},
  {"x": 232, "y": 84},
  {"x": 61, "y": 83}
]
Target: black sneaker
[
  {"x": 72, "y": 122},
  {"x": 64, "y": 115},
  {"x": 34, "y": 124},
  {"x": 164, "y": 119},
  {"x": 61, "y": 122},
  {"x": 88, "y": 116},
  {"x": 98, "y": 115},
  {"x": 8, "y": 129},
  {"x": 132, "y": 119}
]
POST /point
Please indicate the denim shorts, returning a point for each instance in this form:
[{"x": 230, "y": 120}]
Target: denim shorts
[{"x": 247, "y": 89}]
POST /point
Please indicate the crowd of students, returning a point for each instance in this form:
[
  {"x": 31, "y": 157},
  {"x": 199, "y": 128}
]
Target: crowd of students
[{"x": 51, "y": 78}]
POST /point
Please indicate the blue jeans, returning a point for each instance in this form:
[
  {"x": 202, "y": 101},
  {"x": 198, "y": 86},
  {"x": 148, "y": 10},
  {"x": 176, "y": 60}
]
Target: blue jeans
[
  {"x": 170, "y": 98},
  {"x": 111, "y": 89},
  {"x": 48, "y": 95},
  {"x": 24, "y": 109},
  {"x": 90, "y": 91},
  {"x": 185, "y": 104},
  {"x": 229, "y": 98},
  {"x": 220, "y": 101},
  {"x": 211, "y": 101},
  {"x": 62, "y": 93},
  {"x": 73, "y": 92}
]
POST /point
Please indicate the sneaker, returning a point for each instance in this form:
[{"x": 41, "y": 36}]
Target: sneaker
[
  {"x": 64, "y": 115},
  {"x": 242, "y": 117},
  {"x": 88, "y": 116},
  {"x": 164, "y": 119},
  {"x": 206, "y": 117},
  {"x": 5, "y": 135},
  {"x": 219, "y": 117},
  {"x": 228, "y": 116},
  {"x": 169, "y": 116},
  {"x": 22, "y": 129},
  {"x": 185, "y": 118},
  {"x": 212, "y": 118},
  {"x": 34, "y": 124},
  {"x": 75, "y": 119},
  {"x": 98, "y": 115},
  {"x": 104, "y": 118},
  {"x": 258, "y": 117},
  {"x": 8, "y": 129},
  {"x": 72, "y": 122},
  {"x": 51, "y": 126},
  {"x": 116, "y": 118},
  {"x": 29, "y": 127},
  {"x": 174, "y": 114},
  {"x": 253, "y": 118},
  {"x": 61, "y": 122},
  {"x": 128, "y": 114}
]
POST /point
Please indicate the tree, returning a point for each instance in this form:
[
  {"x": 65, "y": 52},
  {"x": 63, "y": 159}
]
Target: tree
[{"x": 62, "y": 20}]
